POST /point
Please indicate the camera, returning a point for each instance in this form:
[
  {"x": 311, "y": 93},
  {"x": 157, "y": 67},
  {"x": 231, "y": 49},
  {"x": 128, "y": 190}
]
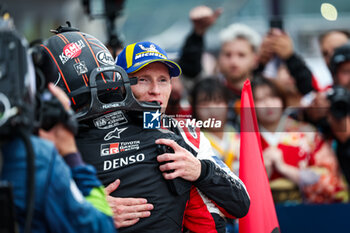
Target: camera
[
  {"x": 276, "y": 22},
  {"x": 50, "y": 112},
  {"x": 340, "y": 101},
  {"x": 17, "y": 84}
]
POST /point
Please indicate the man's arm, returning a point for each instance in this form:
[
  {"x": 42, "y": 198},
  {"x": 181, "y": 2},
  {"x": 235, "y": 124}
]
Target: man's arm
[
  {"x": 75, "y": 198},
  {"x": 220, "y": 184},
  {"x": 127, "y": 211},
  {"x": 191, "y": 55},
  {"x": 212, "y": 177},
  {"x": 282, "y": 46},
  {"x": 69, "y": 209},
  {"x": 202, "y": 18}
]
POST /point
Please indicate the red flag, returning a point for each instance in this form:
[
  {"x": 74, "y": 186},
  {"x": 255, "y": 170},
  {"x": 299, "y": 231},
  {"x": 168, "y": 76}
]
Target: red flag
[{"x": 261, "y": 217}]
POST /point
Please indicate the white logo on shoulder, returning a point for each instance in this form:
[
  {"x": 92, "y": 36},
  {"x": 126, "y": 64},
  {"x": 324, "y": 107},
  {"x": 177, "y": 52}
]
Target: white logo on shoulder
[{"x": 114, "y": 134}]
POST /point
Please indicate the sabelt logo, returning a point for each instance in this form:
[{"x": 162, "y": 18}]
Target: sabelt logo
[{"x": 109, "y": 149}]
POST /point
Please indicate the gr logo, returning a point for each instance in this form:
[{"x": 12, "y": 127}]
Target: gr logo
[{"x": 109, "y": 149}]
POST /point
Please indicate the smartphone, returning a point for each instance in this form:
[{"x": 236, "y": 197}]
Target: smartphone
[{"x": 276, "y": 22}]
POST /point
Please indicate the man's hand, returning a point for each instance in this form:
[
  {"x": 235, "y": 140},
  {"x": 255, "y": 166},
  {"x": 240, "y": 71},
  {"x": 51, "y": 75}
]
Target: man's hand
[
  {"x": 272, "y": 156},
  {"x": 184, "y": 164},
  {"x": 282, "y": 44},
  {"x": 319, "y": 107},
  {"x": 276, "y": 155},
  {"x": 203, "y": 17},
  {"x": 126, "y": 211},
  {"x": 60, "y": 95},
  {"x": 266, "y": 51},
  {"x": 62, "y": 138}
]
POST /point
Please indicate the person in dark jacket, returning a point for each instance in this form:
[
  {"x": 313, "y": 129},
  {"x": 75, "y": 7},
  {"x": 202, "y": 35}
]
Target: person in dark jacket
[{"x": 64, "y": 194}]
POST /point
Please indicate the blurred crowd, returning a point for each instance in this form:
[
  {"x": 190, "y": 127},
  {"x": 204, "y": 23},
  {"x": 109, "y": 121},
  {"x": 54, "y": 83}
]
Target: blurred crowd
[{"x": 303, "y": 126}]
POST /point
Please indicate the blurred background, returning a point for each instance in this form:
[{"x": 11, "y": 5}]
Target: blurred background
[{"x": 167, "y": 22}]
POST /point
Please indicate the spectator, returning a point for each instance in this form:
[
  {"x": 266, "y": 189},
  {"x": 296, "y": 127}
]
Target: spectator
[
  {"x": 191, "y": 57},
  {"x": 317, "y": 111},
  {"x": 237, "y": 60},
  {"x": 209, "y": 101},
  {"x": 178, "y": 105},
  {"x": 277, "y": 47},
  {"x": 340, "y": 66},
  {"x": 238, "y": 55},
  {"x": 67, "y": 195},
  {"x": 300, "y": 163},
  {"x": 286, "y": 84},
  {"x": 202, "y": 18},
  {"x": 338, "y": 114},
  {"x": 331, "y": 40}
]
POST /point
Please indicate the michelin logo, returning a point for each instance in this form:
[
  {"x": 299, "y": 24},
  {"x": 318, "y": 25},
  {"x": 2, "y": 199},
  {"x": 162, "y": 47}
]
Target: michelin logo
[
  {"x": 146, "y": 54},
  {"x": 151, "y": 120},
  {"x": 151, "y": 51}
]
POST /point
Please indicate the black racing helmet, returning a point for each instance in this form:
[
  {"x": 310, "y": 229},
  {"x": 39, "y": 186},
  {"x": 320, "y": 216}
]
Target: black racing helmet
[
  {"x": 84, "y": 68},
  {"x": 340, "y": 55}
]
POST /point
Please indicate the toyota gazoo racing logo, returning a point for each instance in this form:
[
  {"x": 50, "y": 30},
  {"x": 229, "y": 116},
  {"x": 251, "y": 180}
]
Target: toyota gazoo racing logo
[
  {"x": 109, "y": 149},
  {"x": 71, "y": 50},
  {"x": 115, "y": 148}
]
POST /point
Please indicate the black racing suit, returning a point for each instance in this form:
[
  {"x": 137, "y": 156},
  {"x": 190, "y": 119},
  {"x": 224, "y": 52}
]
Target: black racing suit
[{"x": 120, "y": 148}]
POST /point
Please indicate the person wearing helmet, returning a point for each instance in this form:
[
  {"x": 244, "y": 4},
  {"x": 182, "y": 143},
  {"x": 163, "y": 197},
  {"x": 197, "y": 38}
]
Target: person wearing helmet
[
  {"x": 53, "y": 190},
  {"x": 112, "y": 138}
]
